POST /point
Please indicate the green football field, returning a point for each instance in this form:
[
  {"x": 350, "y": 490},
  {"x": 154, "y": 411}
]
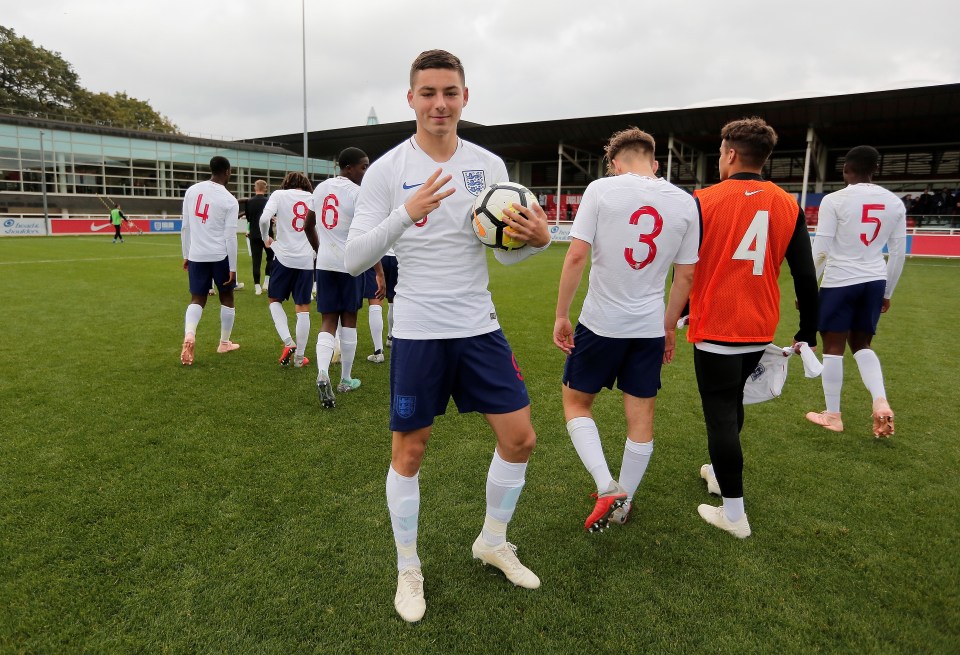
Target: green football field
[{"x": 149, "y": 507}]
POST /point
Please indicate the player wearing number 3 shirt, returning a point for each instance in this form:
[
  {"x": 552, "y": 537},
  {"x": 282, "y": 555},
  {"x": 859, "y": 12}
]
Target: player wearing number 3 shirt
[
  {"x": 748, "y": 227},
  {"x": 855, "y": 224},
  {"x": 447, "y": 342},
  {"x": 209, "y": 239},
  {"x": 634, "y": 227},
  {"x": 293, "y": 262}
]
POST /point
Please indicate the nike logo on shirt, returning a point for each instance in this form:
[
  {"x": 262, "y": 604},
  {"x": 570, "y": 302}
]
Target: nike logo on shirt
[
  {"x": 412, "y": 186},
  {"x": 751, "y": 193}
]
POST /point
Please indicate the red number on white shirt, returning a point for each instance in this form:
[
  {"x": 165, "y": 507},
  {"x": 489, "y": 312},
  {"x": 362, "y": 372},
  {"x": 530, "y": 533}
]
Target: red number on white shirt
[
  {"x": 299, "y": 216},
  {"x": 867, "y": 218},
  {"x": 202, "y": 215},
  {"x": 646, "y": 239},
  {"x": 330, "y": 204}
]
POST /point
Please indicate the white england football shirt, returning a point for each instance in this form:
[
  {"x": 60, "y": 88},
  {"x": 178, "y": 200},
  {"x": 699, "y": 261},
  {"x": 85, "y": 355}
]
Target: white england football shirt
[
  {"x": 637, "y": 228},
  {"x": 855, "y": 223},
  {"x": 334, "y": 202},
  {"x": 209, "y": 223},
  {"x": 291, "y": 246},
  {"x": 442, "y": 288}
]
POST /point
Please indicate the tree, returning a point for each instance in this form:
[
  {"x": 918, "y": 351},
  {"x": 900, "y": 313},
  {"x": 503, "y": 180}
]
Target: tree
[
  {"x": 120, "y": 110},
  {"x": 38, "y": 81},
  {"x": 34, "y": 79}
]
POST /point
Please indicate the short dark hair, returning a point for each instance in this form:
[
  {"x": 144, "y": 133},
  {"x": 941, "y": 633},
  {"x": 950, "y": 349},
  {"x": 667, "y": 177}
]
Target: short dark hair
[
  {"x": 436, "y": 59},
  {"x": 350, "y": 157},
  {"x": 219, "y": 165},
  {"x": 862, "y": 160},
  {"x": 632, "y": 138},
  {"x": 296, "y": 180},
  {"x": 752, "y": 138}
]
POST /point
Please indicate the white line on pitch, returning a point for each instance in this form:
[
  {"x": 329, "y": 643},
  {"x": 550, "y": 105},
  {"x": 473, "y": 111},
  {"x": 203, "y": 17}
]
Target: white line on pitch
[{"x": 92, "y": 259}]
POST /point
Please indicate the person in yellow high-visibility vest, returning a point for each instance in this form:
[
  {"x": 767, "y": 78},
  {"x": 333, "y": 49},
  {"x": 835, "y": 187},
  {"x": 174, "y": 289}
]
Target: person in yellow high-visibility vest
[{"x": 117, "y": 218}]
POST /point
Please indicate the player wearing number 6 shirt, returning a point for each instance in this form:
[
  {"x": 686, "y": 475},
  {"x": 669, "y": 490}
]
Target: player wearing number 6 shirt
[
  {"x": 633, "y": 226},
  {"x": 209, "y": 239},
  {"x": 447, "y": 342},
  {"x": 339, "y": 294},
  {"x": 854, "y": 225},
  {"x": 293, "y": 254},
  {"x": 748, "y": 227}
]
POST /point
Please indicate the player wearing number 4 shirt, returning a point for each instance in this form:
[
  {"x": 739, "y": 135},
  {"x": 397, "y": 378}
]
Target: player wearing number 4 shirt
[
  {"x": 854, "y": 225},
  {"x": 447, "y": 341},
  {"x": 339, "y": 294},
  {"x": 209, "y": 239},
  {"x": 633, "y": 226},
  {"x": 748, "y": 227},
  {"x": 293, "y": 254}
]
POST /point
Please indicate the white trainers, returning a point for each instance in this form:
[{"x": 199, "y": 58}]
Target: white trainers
[
  {"x": 389, "y": 342},
  {"x": 238, "y": 286},
  {"x": 713, "y": 486},
  {"x": 504, "y": 557},
  {"x": 409, "y": 600},
  {"x": 376, "y": 358},
  {"x": 622, "y": 514},
  {"x": 257, "y": 290},
  {"x": 715, "y": 516}
]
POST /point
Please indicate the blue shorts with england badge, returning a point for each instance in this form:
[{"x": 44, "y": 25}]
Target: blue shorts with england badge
[
  {"x": 855, "y": 307},
  {"x": 338, "y": 292},
  {"x": 285, "y": 282},
  {"x": 480, "y": 373},
  {"x": 597, "y": 362},
  {"x": 202, "y": 275}
]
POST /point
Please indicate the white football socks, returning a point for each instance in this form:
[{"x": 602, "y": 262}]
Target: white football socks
[
  {"x": 280, "y": 322},
  {"x": 403, "y": 501},
  {"x": 303, "y": 332},
  {"x": 733, "y": 508},
  {"x": 324, "y": 351},
  {"x": 586, "y": 439},
  {"x": 832, "y": 379},
  {"x": 376, "y": 327},
  {"x": 348, "y": 351},
  {"x": 227, "y": 316},
  {"x": 636, "y": 457},
  {"x": 870, "y": 372},
  {"x": 192, "y": 319},
  {"x": 504, "y": 483}
]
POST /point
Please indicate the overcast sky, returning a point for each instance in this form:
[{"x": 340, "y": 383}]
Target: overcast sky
[{"x": 233, "y": 68}]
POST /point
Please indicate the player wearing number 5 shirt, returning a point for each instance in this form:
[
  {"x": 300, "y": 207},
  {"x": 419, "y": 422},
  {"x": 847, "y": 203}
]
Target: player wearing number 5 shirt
[
  {"x": 854, "y": 225},
  {"x": 293, "y": 254},
  {"x": 748, "y": 227},
  {"x": 209, "y": 239},
  {"x": 633, "y": 227}
]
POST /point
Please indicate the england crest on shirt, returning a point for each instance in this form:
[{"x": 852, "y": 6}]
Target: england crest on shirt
[{"x": 474, "y": 181}]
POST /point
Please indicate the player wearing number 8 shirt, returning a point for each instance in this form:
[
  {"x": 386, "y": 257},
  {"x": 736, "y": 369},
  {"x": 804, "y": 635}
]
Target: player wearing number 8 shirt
[
  {"x": 748, "y": 227},
  {"x": 293, "y": 262},
  {"x": 855, "y": 223},
  {"x": 637, "y": 226},
  {"x": 339, "y": 294},
  {"x": 417, "y": 198},
  {"x": 209, "y": 239}
]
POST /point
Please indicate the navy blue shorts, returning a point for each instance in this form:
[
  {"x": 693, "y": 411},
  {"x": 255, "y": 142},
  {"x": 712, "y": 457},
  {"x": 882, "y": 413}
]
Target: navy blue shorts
[
  {"x": 480, "y": 373},
  {"x": 285, "y": 282},
  {"x": 203, "y": 275},
  {"x": 852, "y": 308},
  {"x": 338, "y": 292},
  {"x": 369, "y": 283},
  {"x": 390, "y": 273},
  {"x": 597, "y": 362}
]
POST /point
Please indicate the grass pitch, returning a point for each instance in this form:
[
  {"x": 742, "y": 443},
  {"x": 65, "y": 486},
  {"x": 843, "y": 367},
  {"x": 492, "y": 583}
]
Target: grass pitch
[{"x": 149, "y": 507}]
